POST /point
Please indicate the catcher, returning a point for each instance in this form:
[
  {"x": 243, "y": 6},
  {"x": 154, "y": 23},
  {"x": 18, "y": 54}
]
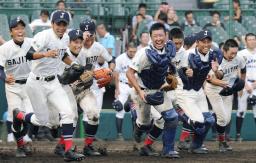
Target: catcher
[{"x": 151, "y": 65}]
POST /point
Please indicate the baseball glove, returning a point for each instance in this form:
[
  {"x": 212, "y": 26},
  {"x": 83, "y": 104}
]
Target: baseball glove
[
  {"x": 226, "y": 91},
  {"x": 103, "y": 76},
  {"x": 71, "y": 74},
  {"x": 156, "y": 98},
  {"x": 172, "y": 83},
  {"x": 85, "y": 82}
]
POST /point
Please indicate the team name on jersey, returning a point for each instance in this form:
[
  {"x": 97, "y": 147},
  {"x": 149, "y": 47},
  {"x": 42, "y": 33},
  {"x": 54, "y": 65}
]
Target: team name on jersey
[
  {"x": 230, "y": 70},
  {"x": 124, "y": 68},
  {"x": 16, "y": 61},
  {"x": 91, "y": 60}
]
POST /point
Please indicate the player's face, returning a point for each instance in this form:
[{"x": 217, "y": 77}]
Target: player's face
[
  {"x": 204, "y": 45},
  {"x": 158, "y": 38},
  {"x": 144, "y": 38},
  {"x": 231, "y": 53},
  {"x": 18, "y": 33},
  {"x": 131, "y": 52},
  {"x": 59, "y": 28},
  {"x": 178, "y": 43},
  {"x": 251, "y": 42},
  {"x": 76, "y": 45}
]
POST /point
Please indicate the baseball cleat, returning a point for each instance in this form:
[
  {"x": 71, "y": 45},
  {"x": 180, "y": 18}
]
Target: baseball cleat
[
  {"x": 10, "y": 138},
  {"x": 183, "y": 145},
  {"x": 171, "y": 154},
  {"x": 70, "y": 155},
  {"x": 148, "y": 150},
  {"x": 59, "y": 150},
  {"x": 90, "y": 151},
  {"x": 223, "y": 147},
  {"x": 23, "y": 151},
  {"x": 199, "y": 150}
]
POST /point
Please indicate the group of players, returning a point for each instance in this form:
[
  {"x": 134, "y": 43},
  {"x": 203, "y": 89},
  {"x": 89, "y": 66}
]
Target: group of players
[{"x": 157, "y": 103}]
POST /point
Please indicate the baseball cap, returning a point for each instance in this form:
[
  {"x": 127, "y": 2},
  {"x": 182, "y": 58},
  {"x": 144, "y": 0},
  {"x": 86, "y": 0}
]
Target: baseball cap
[
  {"x": 14, "y": 22},
  {"x": 204, "y": 34},
  {"x": 75, "y": 34},
  {"x": 88, "y": 25},
  {"x": 190, "y": 40},
  {"x": 60, "y": 16}
]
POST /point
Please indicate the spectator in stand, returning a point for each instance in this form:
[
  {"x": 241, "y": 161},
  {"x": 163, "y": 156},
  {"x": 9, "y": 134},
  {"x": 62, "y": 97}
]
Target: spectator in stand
[
  {"x": 141, "y": 26},
  {"x": 189, "y": 20},
  {"x": 237, "y": 12},
  {"x": 144, "y": 40},
  {"x": 61, "y": 5},
  {"x": 142, "y": 10},
  {"x": 164, "y": 8},
  {"x": 215, "y": 21},
  {"x": 162, "y": 18},
  {"x": 106, "y": 39},
  {"x": 172, "y": 18},
  {"x": 43, "y": 21}
]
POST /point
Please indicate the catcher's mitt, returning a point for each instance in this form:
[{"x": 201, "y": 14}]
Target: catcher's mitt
[
  {"x": 71, "y": 74},
  {"x": 103, "y": 76},
  {"x": 171, "y": 84},
  {"x": 85, "y": 82},
  {"x": 156, "y": 98}
]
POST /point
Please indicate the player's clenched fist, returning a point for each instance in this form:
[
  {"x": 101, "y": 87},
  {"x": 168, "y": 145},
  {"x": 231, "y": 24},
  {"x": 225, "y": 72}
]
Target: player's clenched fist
[
  {"x": 215, "y": 66},
  {"x": 51, "y": 53},
  {"x": 189, "y": 72},
  {"x": 10, "y": 79}
]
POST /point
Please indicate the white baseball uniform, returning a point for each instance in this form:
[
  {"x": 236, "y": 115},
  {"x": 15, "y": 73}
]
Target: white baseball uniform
[
  {"x": 89, "y": 101},
  {"x": 13, "y": 59},
  {"x": 54, "y": 114},
  {"x": 122, "y": 65},
  {"x": 193, "y": 102},
  {"x": 222, "y": 105},
  {"x": 42, "y": 92},
  {"x": 139, "y": 63},
  {"x": 250, "y": 58}
]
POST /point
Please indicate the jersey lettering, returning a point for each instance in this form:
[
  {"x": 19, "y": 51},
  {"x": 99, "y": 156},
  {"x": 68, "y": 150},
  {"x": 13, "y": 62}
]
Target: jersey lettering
[
  {"x": 230, "y": 70},
  {"x": 16, "y": 61},
  {"x": 91, "y": 60}
]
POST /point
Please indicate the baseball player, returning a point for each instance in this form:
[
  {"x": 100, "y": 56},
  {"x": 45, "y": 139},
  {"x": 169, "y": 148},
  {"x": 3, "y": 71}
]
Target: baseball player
[
  {"x": 47, "y": 51},
  {"x": 176, "y": 35},
  {"x": 249, "y": 92},
  {"x": 17, "y": 68},
  {"x": 222, "y": 103},
  {"x": 122, "y": 89},
  {"x": 192, "y": 99},
  {"x": 151, "y": 66},
  {"x": 89, "y": 55},
  {"x": 74, "y": 47}
]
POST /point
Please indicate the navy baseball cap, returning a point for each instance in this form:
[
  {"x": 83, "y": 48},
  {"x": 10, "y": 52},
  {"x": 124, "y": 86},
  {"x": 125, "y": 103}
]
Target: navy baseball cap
[
  {"x": 190, "y": 40},
  {"x": 75, "y": 34},
  {"x": 14, "y": 22},
  {"x": 60, "y": 16},
  {"x": 88, "y": 25},
  {"x": 204, "y": 34}
]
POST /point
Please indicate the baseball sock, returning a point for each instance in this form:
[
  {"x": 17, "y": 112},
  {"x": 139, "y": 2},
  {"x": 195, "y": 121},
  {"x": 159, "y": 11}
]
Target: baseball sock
[
  {"x": 67, "y": 133},
  {"x": 227, "y": 130},
  {"x": 185, "y": 132},
  {"x": 90, "y": 132},
  {"x": 9, "y": 127},
  {"x": 239, "y": 122},
  {"x": 119, "y": 123},
  {"x": 153, "y": 134},
  {"x": 61, "y": 141},
  {"x": 221, "y": 132}
]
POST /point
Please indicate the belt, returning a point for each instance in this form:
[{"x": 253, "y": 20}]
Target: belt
[
  {"x": 48, "y": 78},
  {"x": 23, "y": 81},
  {"x": 251, "y": 80}
]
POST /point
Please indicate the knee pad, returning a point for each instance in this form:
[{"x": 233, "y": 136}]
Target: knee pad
[
  {"x": 198, "y": 127},
  {"x": 117, "y": 105},
  {"x": 209, "y": 118},
  {"x": 170, "y": 117}
]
